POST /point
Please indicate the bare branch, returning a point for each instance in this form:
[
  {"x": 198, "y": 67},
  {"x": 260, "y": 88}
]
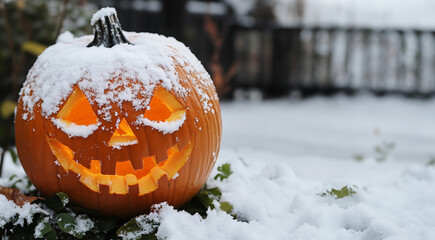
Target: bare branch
[
  {"x": 62, "y": 17},
  {"x": 219, "y": 77}
]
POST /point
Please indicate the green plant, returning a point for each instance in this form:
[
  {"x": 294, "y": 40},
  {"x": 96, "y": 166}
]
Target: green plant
[
  {"x": 358, "y": 157},
  {"x": 339, "y": 193},
  {"x": 383, "y": 150}
]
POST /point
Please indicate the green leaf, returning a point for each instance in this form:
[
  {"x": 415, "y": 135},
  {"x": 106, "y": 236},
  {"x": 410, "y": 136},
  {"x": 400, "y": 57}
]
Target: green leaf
[
  {"x": 358, "y": 157},
  {"x": 12, "y": 177},
  {"x": 431, "y": 162},
  {"x": 130, "y": 227},
  {"x": 343, "y": 192},
  {"x": 150, "y": 236},
  {"x": 58, "y": 201},
  {"x": 195, "y": 206},
  {"x": 224, "y": 172},
  {"x": 15, "y": 182},
  {"x": 51, "y": 235},
  {"x": 226, "y": 207},
  {"x": 213, "y": 191},
  {"x": 68, "y": 224},
  {"x": 44, "y": 225},
  {"x": 63, "y": 197},
  {"x": 13, "y": 155},
  {"x": 206, "y": 197},
  {"x": 383, "y": 150}
]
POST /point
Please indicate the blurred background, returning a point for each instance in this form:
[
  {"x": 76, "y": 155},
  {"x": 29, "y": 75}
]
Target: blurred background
[{"x": 253, "y": 49}]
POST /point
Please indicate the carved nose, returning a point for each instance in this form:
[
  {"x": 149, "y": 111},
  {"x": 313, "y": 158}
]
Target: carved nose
[{"x": 123, "y": 135}]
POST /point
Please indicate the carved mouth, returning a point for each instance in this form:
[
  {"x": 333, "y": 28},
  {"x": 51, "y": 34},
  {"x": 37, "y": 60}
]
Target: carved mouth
[{"x": 125, "y": 175}]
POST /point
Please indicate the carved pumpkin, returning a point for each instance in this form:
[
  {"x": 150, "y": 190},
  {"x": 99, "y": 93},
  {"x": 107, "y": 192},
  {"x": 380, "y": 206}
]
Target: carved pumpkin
[{"x": 118, "y": 124}]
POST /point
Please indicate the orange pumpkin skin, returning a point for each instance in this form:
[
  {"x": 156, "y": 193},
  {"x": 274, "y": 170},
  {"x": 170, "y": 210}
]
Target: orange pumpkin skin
[{"x": 200, "y": 128}]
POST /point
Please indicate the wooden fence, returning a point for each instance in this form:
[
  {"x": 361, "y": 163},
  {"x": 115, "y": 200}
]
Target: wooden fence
[
  {"x": 332, "y": 59},
  {"x": 305, "y": 59}
]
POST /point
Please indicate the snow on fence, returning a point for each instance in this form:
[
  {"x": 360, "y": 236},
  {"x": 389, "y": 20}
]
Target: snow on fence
[
  {"x": 335, "y": 59},
  {"x": 307, "y": 59}
]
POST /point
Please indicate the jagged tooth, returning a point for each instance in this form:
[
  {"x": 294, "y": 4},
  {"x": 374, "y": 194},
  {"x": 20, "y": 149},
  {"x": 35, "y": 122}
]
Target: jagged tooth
[
  {"x": 118, "y": 185},
  {"x": 90, "y": 183},
  {"x": 146, "y": 185},
  {"x": 89, "y": 179},
  {"x": 130, "y": 179},
  {"x": 124, "y": 168},
  {"x": 176, "y": 160},
  {"x": 95, "y": 166},
  {"x": 104, "y": 180},
  {"x": 157, "y": 173},
  {"x": 76, "y": 167}
]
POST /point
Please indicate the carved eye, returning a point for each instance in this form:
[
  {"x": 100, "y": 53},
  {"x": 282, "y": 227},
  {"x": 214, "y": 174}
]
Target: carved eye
[
  {"x": 77, "y": 110},
  {"x": 164, "y": 107},
  {"x": 76, "y": 118},
  {"x": 164, "y": 112}
]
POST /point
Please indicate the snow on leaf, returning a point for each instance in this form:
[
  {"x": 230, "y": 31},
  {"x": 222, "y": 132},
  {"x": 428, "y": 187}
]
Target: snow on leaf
[
  {"x": 43, "y": 227},
  {"x": 58, "y": 201},
  {"x": 140, "y": 227},
  {"x": 77, "y": 226}
]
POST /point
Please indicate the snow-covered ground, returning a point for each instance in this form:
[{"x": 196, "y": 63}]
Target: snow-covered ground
[{"x": 285, "y": 153}]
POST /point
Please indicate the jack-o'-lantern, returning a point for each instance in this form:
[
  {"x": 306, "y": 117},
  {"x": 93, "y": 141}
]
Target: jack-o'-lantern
[{"x": 127, "y": 121}]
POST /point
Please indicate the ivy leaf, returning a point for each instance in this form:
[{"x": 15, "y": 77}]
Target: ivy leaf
[
  {"x": 431, "y": 162},
  {"x": 224, "y": 172},
  {"x": 205, "y": 200},
  {"x": 58, "y": 201},
  {"x": 226, "y": 207},
  {"x": 150, "y": 236},
  {"x": 195, "y": 206},
  {"x": 68, "y": 224},
  {"x": 206, "y": 197},
  {"x": 13, "y": 155},
  {"x": 130, "y": 227},
  {"x": 343, "y": 192},
  {"x": 51, "y": 235},
  {"x": 133, "y": 228},
  {"x": 213, "y": 191},
  {"x": 43, "y": 227},
  {"x": 13, "y": 184}
]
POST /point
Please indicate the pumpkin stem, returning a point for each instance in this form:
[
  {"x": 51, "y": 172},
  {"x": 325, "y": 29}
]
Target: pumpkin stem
[{"x": 107, "y": 29}]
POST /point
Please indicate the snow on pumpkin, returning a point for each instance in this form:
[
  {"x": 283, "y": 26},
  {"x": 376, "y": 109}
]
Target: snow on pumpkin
[{"x": 112, "y": 120}]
